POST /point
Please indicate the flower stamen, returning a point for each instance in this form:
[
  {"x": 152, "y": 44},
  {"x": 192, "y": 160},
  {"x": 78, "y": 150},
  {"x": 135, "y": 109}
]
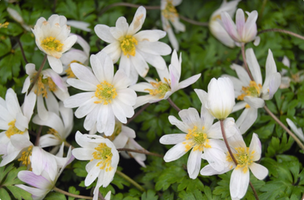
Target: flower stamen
[
  {"x": 196, "y": 139},
  {"x": 103, "y": 153},
  {"x": 127, "y": 45},
  {"x": 253, "y": 90},
  {"x": 161, "y": 88},
  {"x": 25, "y": 156},
  {"x": 105, "y": 92},
  {"x": 12, "y": 130},
  {"x": 170, "y": 11},
  {"x": 51, "y": 44}
]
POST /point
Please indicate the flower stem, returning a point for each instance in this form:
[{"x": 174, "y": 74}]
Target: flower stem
[
  {"x": 281, "y": 31},
  {"x": 245, "y": 62},
  {"x": 70, "y": 194},
  {"x": 38, "y": 135},
  {"x": 22, "y": 51},
  {"x": 285, "y": 128},
  {"x": 140, "y": 151},
  {"x": 190, "y": 21},
  {"x": 138, "y": 112},
  {"x": 173, "y": 105},
  {"x": 130, "y": 180},
  {"x": 232, "y": 156},
  {"x": 37, "y": 75}
]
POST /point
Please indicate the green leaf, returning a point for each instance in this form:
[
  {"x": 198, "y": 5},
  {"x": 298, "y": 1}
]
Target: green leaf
[
  {"x": 55, "y": 195},
  {"x": 149, "y": 195},
  {"x": 170, "y": 175}
]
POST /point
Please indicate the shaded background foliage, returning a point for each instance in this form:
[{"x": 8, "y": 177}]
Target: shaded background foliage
[{"x": 201, "y": 53}]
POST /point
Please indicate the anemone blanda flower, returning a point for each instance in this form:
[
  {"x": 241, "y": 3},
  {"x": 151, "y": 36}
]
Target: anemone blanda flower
[
  {"x": 103, "y": 158},
  {"x": 215, "y": 22},
  {"x": 252, "y": 93},
  {"x": 243, "y": 31},
  {"x": 135, "y": 49},
  {"x": 170, "y": 15},
  {"x": 14, "y": 120},
  {"x": 48, "y": 84},
  {"x": 200, "y": 135},
  {"x": 168, "y": 84},
  {"x": 297, "y": 131},
  {"x": 53, "y": 38},
  {"x": 107, "y": 95}
]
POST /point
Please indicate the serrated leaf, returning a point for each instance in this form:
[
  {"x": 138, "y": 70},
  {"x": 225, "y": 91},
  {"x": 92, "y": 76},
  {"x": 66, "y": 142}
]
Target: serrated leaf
[
  {"x": 149, "y": 195},
  {"x": 170, "y": 175},
  {"x": 55, "y": 195}
]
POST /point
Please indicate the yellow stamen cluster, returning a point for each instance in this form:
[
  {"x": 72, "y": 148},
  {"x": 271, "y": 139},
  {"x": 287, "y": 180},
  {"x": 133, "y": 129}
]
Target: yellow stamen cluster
[
  {"x": 170, "y": 11},
  {"x": 69, "y": 71},
  {"x": 160, "y": 88},
  {"x": 51, "y": 44},
  {"x": 12, "y": 130},
  {"x": 127, "y": 45},
  {"x": 104, "y": 154},
  {"x": 105, "y": 92},
  {"x": 117, "y": 131},
  {"x": 197, "y": 139},
  {"x": 4, "y": 25},
  {"x": 25, "y": 156},
  {"x": 243, "y": 158},
  {"x": 253, "y": 90},
  {"x": 54, "y": 132},
  {"x": 43, "y": 84}
]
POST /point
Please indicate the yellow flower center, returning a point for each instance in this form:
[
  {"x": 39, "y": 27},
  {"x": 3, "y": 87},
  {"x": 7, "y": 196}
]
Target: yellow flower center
[
  {"x": 104, "y": 154},
  {"x": 43, "y": 84},
  {"x": 4, "y": 25},
  {"x": 105, "y": 92},
  {"x": 160, "y": 88},
  {"x": 25, "y": 156},
  {"x": 253, "y": 90},
  {"x": 117, "y": 131},
  {"x": 127, "y": 45},
  {"x": 170, "y": 11},
  {"x": 54, "y": 132},
  {"x": 51, "y": 44},
  {"x": 198, "y": 139},
  {"x": 243, "y": 158},
  {"x": 12, "y": 130}
]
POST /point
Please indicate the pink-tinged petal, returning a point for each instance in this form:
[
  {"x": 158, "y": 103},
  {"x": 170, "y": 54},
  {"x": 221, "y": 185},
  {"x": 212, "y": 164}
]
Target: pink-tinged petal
[
  {"x": 175, "y": 152},
  {"x": 138, "y": 20},
  {"x": 80, "y": 84},
  {"x": 246, "y": 119},
  {"x": 256, "y": 147},
  {"x": 84, "y": 74},
  {"x": 179, "y": 124},
  {"x": 274, "y": 84},
  {"x": 240, "y": 21},
  {"x": 55, "y": 64},
  {"x": 230, "y": 26},
  {"x": 37, "y": 194},
  {"x": 78, "y": 99},
  {"x": 259, "y": 171},
  {"x": 220, "y": 33},
  {"x": 103, "y": 32},
  {"x": 172, "y": 138},
  {"x": 254, "y": 66},
  {"x": 34, "y": 180},
  {"x": 239, "y": 182},
  {"x": 250, "y": 28},
  {"x": 150, "y": 35},
  {"x": 194, "y": 163},
  {"x": 56, "y": 79}
]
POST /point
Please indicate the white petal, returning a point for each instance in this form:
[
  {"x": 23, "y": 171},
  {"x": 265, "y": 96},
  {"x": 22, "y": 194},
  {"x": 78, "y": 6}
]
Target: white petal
[
  {"x": 103, "y": 32},
  {"x": 175, "y": 152},
  {"x": 92, "y": 175},
  {"x": 55, "y": 64},
  {"x": 194, "y": 163},
  {"x": 254, "y": 102},
  {"x": 138, "y": 20},
  {"x": 78, "y": 99},
  {"x": 179, "y": 124},
  {"x": 259, "y": 171},
  {"x": 80, "y": 84},
  {"x": 172, "y": 139},
  {"x": 246, "y": 119},
  {"x": 254, "y": 66},
  {"x": 84, "y": 74},
  {"x": 297, "y": 131},
  {"x": 256, "y": 147},
  {"x": 239, "y": 183}
]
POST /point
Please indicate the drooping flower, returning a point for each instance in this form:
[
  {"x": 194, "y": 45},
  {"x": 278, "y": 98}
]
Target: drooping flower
[
  {"x": 103, "y": 158},
  {"x": 285, "y": 80},
  {"x": 169, "y": 15},
  {"x": 135, "y": 49},
  {"x": 168, "y": 84},
  {"x": 53, "y": 38},
  {"x": 107, "y": 95},
  {"x": 200, "y": 135},
  {"x": 215, "y": 22},
  {"x": 18, "y": 18},
  {"x": 252, "y": 93},
  {"x": 297, "y": 131},
  {"x": 243, "y": 31}
]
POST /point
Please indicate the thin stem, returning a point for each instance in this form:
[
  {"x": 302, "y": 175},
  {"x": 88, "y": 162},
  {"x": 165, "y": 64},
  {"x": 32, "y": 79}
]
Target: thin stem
[
  {"x": 262, "y": 10},
  {"x": 285, "y": 128},
  {"x": 70, "y": 194},
  {"x": 281, "y": 31},
  {"x": 38, "y": 136},
  {"x": 127, "y": 5},
  {"x": 37, "y": 75},
  {"x": 254, "y": 192},
  {"x": 173, "y": 105},
  {"x": 245, "y": 62},
  {"x": 22, "y": 51},
  {"x": 140, "y": 151},
  {"x": 193, "y": 21},
  {"x": 138, "y": 112},
  {"x": 130, "y": 180}
]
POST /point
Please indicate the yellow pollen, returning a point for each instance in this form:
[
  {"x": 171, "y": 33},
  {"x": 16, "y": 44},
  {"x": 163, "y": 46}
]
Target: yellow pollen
[
  {"x": 196, "y": 139},
  {"x": 25, "y": 156},
  {"x": 105, "y": 92},
  {"x": 243, "y": 158},
  {"x": 127, "y": 45},
  {"x": 69, "y": 71},
  {"x": 117, "y": 131},
  {"x": 160, "y": 88},
  {"x": 51, "y": 44},
  {"x": 54, "y": 132},
  {"x": 253, "y": 90},
  {"x": 247, "y": 106},
  {"x": 4, "y": 25},
  {"x": 170, "y": 11},
  {"x": 104, "y": 154},
  {"x": 43, "y": 84},
  {"x": 216, "y": 17},
  {"x": 12, "y": 130}
]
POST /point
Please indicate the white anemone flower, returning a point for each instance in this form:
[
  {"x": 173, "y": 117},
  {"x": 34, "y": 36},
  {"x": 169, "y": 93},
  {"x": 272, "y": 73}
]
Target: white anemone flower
[
  {"x": 53, "y": 38},
  {"x": 48, "y": 84},
  {"x": 296, "y": 130},
  {"x": 103, "y": 158},
  {"x": 253, "y": 93},
  {"x": 246, "y": 158},
  {"x": 243, "y": 31},
  {"x": 139, "y": 157},
  {"x": 106, "y": 95},
  {"x": 200, "y": 135},
  {"x": 135, "y": 49},
  {"x": 14, "y": 120},
  {"x": 168, "y": 84},
  {"x": 169, "y": 15},
  {"x": 215, "y": 22}
]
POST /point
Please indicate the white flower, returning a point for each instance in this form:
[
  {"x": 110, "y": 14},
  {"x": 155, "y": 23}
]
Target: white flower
[
  {"x": 79, "y": 24},
  {"x": 14, "y": 120},
  {"x": 18, "y": 18},
  {"x": 200, "y": 135},
  {"x": 168, "y": 84},
  {"x": 134, "y": 48},
  {"x": 107, "y": 95},
  {"x": 243, "y": 31},
  {"x": 285, "y": 80},
  {"x": 139, "y": 157},
  {"x": 296, "y": 130},
  {"x": 53, "y": 38},
  {"x": 48, "y": 82},
  {"x": 246, "y": 158},
  {"x": 215, "y": 22},
  {"x": 254, "y": 92},
  {"x": 103, "y": 158},
  {"x": 169, "y": 15}
]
